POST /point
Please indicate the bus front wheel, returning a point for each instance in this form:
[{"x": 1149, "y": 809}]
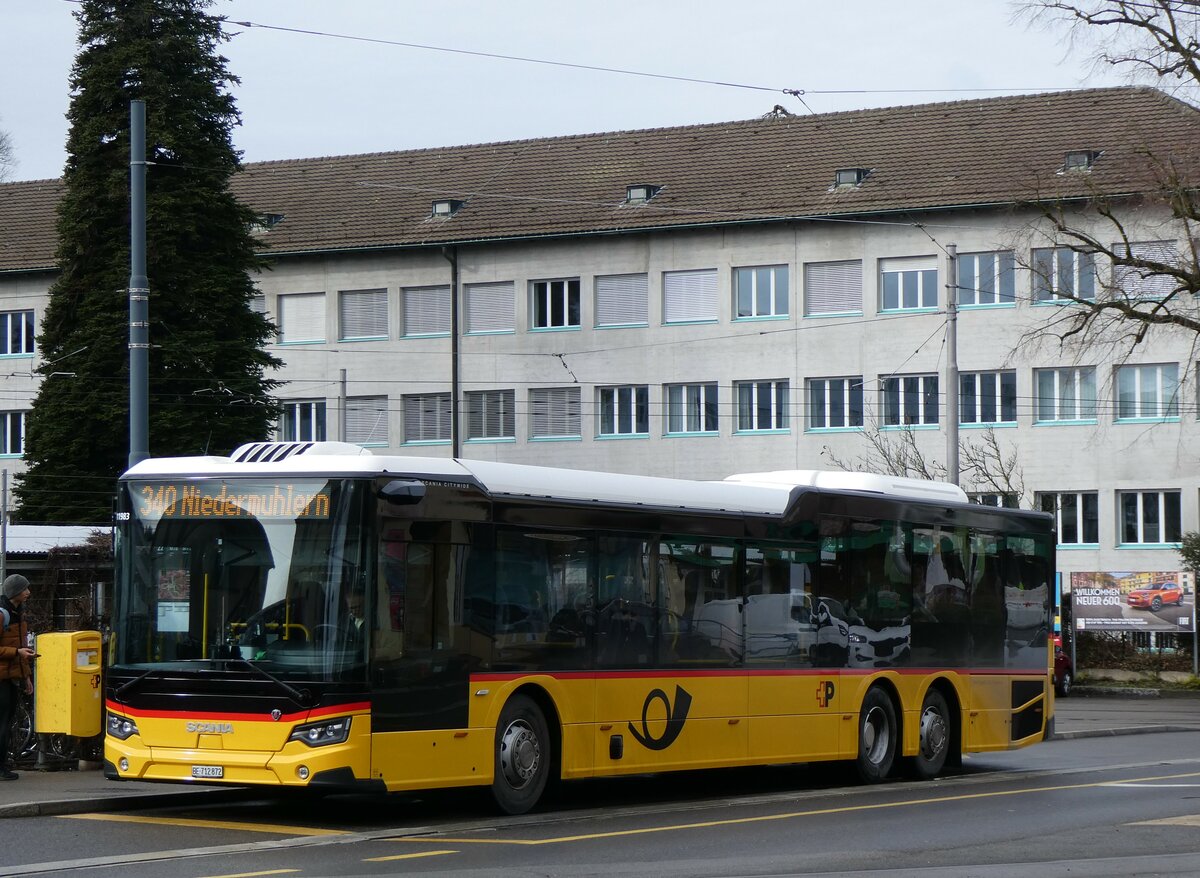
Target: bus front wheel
[
  {"x": 933, "y": 745},
  {"x": 877, "y": 734},
  {"x": 523, "y": 756}
]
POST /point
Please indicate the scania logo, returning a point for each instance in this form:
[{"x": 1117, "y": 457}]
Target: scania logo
[{"x": 211, "y": 728}]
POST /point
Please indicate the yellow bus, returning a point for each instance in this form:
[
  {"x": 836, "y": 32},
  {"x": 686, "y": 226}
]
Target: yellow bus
[{"x": 312, "y": 615}]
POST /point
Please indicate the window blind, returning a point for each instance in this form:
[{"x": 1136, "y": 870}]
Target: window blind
[
  {"x": 689, "y": 295},
  {"x": 426, "y": 310},
  {"x": 555, "y": 411},
  {"x": 833, "y": 287},
  {"x": 363, "y": 314},
  {"x": 367, "y": 420},
  {"x": 621, "y": 300},
  {"x": 302, "y": 317},
  {"x": 490, "y": 307}
]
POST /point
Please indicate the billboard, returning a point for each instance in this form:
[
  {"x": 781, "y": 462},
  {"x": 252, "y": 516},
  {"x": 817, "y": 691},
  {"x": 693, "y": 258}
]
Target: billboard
[{"x": 1133, "y": 601}]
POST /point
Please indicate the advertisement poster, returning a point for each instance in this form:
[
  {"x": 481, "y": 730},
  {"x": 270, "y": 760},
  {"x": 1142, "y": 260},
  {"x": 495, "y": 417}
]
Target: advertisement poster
[{"x": 1133, "y": 601}]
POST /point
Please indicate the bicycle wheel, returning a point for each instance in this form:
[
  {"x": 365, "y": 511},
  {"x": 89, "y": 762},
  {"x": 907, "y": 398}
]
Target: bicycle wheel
[{"x": 22, "y": 742}]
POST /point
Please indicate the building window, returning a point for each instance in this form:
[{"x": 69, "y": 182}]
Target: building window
[
  {"x": 367, "y": 420},
  {"x": 555, "y": 304},
  {"x": 555, "y": 413},
  {"x": 14, "y": 433},
  {"x": 491, "y": 415},
  {"x": 835, "y": 403},
  {"x": 761, "y": 291},
  {"x": 909, "y": 400},
  {"x": 363, "y": 314},
  {"x": 832, "y": 288},
  {"x": 1060, "y": 272},
  {"x": 690, "y": 296},
  {"x": 426, "y": 311},
  {"x": 908, "y": 284},
  {"x": 1150, "y": 517},
  {"x": 987, "y": 398},
  {"x": 426, "y": 418},
  {"x": 762, "y": 405},
  {"x": 303, "y": 421},
  {"x": 1065, "y": 394},
  {"x": 17, "y": 327},
  {"x": 301, "y": 318},
  {"x": 691, "y": 408},
  {"x": 623, "y": 411},
  {"x": 1144, "y": 282},
  {"x": 1076, "y": 516},
  {"x": 1000, "y": 501},
  {"x": 622, "y": 300},
  {"x": 1148, "y": 392},
  {"x": 490, "y": 307},
  {"x": 986, "y": 279}
]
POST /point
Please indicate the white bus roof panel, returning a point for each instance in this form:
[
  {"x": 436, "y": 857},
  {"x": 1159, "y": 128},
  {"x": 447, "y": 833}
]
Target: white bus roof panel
[{"x": 766, "y": 493}]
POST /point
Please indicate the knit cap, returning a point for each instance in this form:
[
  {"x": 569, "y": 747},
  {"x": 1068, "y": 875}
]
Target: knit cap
[{"x": 15, "y": 585}]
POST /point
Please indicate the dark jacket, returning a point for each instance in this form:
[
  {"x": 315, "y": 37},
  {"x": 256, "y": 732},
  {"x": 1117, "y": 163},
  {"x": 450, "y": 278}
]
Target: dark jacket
[{"x": 12, "y": 666}]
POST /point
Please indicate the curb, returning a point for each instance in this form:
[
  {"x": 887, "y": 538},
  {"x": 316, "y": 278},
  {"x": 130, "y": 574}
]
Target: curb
[
  {"x": 59, "y": 807},
  {"x": 1087, "y": 691},
  {"x": 1112, "y": 733}
]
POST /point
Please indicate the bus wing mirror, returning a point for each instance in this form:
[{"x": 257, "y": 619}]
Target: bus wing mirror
[{"x": 401, "y": 492}]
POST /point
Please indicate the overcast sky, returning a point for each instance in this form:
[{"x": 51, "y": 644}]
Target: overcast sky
[{"x": 304, "y": 95}]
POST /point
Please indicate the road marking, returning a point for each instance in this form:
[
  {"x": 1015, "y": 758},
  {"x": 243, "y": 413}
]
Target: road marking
[
  {"x": 256, "y": 874},
  {"x": 402, "y": 857},
  {"x": 1153, "y": 786},
  {"x": 276, "y": 828},
  {"x": 1186, "y": 820},
  {"x": 791, "y": 815}
]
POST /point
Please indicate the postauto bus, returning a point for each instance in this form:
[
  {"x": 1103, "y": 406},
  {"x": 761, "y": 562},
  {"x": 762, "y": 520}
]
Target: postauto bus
[{"x": 312, "y": 615}]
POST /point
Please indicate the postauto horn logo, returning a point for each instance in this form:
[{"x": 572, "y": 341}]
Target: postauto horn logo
[{"x": 676, "y": 717}]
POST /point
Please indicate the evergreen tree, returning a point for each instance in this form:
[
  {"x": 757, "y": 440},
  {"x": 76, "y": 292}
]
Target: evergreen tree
[{"x": 209, "y": 389}]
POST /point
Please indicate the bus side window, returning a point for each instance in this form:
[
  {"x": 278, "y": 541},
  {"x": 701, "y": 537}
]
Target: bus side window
[{"x": 626, "y": 608}]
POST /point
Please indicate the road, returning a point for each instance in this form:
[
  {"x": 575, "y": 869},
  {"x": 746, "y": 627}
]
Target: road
[{"x": 1119, "y": 805}]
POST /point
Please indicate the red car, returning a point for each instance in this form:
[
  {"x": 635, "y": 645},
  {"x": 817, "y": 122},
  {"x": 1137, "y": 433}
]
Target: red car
[{"x": 1154, "y": 596}]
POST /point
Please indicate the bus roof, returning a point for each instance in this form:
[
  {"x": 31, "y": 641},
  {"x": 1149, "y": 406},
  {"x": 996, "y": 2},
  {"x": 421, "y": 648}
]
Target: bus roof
[{"x": 767, "y": 493}]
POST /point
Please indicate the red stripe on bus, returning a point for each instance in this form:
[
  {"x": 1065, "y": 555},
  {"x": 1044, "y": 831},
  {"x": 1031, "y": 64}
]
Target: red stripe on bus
[{"x": 356, "y": 707}]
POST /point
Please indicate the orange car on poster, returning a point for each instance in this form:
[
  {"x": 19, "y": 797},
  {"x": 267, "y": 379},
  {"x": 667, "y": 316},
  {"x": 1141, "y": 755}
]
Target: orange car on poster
[{"x": 1155, "y": 596}]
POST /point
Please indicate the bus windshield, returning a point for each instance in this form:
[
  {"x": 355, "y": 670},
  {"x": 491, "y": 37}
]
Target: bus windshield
[{"x": 253, "y": 570}]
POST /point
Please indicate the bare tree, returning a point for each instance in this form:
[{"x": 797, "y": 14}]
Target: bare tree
[
  {"x": 8, "y": 161},
  {"x": 986, "y": 467},
  {"x": 1152, "y": 286}
]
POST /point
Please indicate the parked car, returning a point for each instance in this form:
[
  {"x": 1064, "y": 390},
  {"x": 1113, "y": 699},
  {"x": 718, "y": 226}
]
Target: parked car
[
  {"x": 1154, "y": 596},
  {"x": 1064, "y": 672}
]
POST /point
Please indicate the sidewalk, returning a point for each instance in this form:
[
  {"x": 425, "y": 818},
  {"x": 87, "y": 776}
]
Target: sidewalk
[{"x": 1091, "y": 712}]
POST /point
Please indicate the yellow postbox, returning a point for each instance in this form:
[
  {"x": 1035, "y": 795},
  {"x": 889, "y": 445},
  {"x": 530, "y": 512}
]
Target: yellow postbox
[{"x": 68, "y": 697}]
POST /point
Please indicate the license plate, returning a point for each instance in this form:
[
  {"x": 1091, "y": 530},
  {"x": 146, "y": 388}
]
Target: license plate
[{"x": 209, "y": 771}]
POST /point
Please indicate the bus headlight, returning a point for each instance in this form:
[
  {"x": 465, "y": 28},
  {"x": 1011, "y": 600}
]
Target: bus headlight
[
  {"x": 333, "y": 731},
  {"x": 121, "y": 727}
]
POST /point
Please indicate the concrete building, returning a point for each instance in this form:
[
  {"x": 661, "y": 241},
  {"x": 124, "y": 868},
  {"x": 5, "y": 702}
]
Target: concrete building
[{"x": 705, "y": 300}]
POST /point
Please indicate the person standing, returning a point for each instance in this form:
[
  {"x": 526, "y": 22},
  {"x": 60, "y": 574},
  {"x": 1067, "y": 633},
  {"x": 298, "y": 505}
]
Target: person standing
[{"x": 16, "y": 661}]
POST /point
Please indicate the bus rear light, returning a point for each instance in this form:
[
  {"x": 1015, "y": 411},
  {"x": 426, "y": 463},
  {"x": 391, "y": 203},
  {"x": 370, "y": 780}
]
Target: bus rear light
[
  {"x": 333, "y": 731},
  {"x": 121, "y": 727}
]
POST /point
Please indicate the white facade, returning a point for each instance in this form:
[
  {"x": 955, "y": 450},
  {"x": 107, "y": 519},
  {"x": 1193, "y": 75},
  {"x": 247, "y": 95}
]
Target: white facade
[{"x": 352, "y": 374}]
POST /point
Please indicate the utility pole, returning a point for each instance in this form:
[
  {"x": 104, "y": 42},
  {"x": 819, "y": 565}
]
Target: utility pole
[
  {"x": 139, "y": 290},
  {"x": 952, "y": 473}
]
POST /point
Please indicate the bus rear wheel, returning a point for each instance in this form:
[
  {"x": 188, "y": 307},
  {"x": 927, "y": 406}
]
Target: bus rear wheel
[
  {"x": 523, "y": 756},
  {"x": 933, "y": 745},
  {"x": 877, "y": 734}
]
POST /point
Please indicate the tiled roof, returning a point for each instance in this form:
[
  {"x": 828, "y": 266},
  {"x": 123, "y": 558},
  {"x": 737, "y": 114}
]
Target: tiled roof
[{"x": 963, "y": 153}]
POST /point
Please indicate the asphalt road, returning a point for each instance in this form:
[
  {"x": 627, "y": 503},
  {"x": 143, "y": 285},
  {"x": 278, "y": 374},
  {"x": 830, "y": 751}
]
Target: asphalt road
[{"x": 1120, "y": 805}]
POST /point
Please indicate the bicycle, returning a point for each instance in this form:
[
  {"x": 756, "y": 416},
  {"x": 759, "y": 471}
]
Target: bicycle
[{"x": 22, "y": 740}]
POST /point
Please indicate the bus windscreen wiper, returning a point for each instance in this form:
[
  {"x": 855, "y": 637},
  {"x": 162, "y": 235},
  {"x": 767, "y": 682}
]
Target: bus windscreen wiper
[
  {"x": 129, "y": 684},
  {"x": 301, "y": 696}
]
